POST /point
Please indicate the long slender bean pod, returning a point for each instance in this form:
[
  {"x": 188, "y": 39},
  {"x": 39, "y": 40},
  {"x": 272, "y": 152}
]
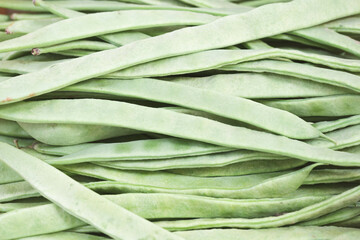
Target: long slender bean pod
[
  {"x": 316, "y": 210},
  {"x": 163, "y": 121},
  {"x": 154, "y": 48},
  {"x": 78, "y": 200}
]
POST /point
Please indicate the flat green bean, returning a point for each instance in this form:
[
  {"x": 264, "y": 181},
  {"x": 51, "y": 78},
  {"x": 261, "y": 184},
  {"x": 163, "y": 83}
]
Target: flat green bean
[
  {"x": 297, "y": 39},
  {"x": 321, "y": 190},
  {"x": 78, "y": 200},
  {"x": 207, "y": 101},
  {"x": 242, "y": 168},
  {"x": 334, "y": 217},
  {"x": 257, "y": 3},
  {"x": 284, "y": 233},
  {"x": 332, "y": 176},
  {"x": 344, "y": 138},
  {"x": 16, "y": 190},
  {"x": 28, "y": 26},
  {"x": 346, "y": 25},
  {"x": 308, "y": 72},
  {"x": 328, "y": 126},
  {"x": 353, "y": 223},
  {"x": 256, "y": 85},
  {"x": 211, "y": 160},
  {"x": 248, "y": 186},
  {"x": 139, "y": 150},
  {"x": 61, "y": 150},
  {"x": 25, "y": 66},
  {"x": 8, "y": 207},
  {"x": 81, "y": 44},
  {"x": 102, "y": 23},
  {"x": 313, "y": 211},
  {"x": 163, "y": 121},
  {"x": 191, "y": 39},
  {"x": 12, "y": 129},
  {"x": 66, "y": 236},
  {"x": 331, "y": 38},
  {"x": 69, "y": 134},
  {"x": 30, "y": 16},
  {"x": 341, "y": 105},
  {"x": 212, "y": 3},
  {"x": 105, "y": 6},
  {"x": 213, "y": 59},
  {"x": 150, "y": 206}
]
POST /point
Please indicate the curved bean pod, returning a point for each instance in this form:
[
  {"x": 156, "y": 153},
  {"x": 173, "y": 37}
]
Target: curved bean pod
[
  {"x": 344, "y": 138},
  {"x": 69, "y": 134},
  {"x": 25, "y": 66},
  {"x": 28, "y": 26},
  {"x": 341, "y": 105},
  {"x": 251, "y": 186},
  {"x": 321, "y": 190},
  {"x": 242, "y": 168},
  {"x": 30, "y": 16},
  {"x": 332, "y": 176},
  {"x": 212, "y": 3},
  {"x": 346, "y": 25},
  {"x": 17, "y": 190},
  {"x": 12, "y": 129},
  {"x": 334, "y": 217},
  {"x": 211, "y": 160},
  {"x": 69, "y": 194},
  {"x": 61, "y": 150},
  {"x": 102, "y": 23},
  {"x": 66, "y": 236},
  {"x": 316, "y": 210},
  {"x": 155, "y": 48},
  {"x": 105, "y": 6},
  {"x": 208, "y": 101},
  {"x": 213, "y": 59},
  {"x": 81, "y": 44},
  {"x": 8, "y": 207},
  {"x": 163, "y": 121},
  {"x": 353, "y": 223},
  {"x": 254, "y": 85},
  {"x": 331, "y": 38},
  {"x": 150, "y": 206},
  {"x": 284, "y": 233},
  {"x": 328, "y": 126},
  {"x": 139, "y": 150},
  {"x": 317, "y": 74}
]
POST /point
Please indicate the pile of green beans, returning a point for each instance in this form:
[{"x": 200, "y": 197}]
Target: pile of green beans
[{"x": 180, "y": 119}]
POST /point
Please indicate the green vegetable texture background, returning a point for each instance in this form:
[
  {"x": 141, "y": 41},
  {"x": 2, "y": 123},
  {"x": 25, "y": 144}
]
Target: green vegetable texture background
[{"x": 180, "y": 119}]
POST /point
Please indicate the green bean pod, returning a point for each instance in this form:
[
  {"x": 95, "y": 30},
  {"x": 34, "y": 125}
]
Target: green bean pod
[
  {"x": 316, "y": 210},
  {"x": 163, "y": 121},
  {"x": 193, "y": 39}
]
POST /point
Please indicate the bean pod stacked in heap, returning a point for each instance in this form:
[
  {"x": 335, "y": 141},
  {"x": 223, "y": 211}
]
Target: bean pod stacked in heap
[{"x": 180, "y": 119}]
